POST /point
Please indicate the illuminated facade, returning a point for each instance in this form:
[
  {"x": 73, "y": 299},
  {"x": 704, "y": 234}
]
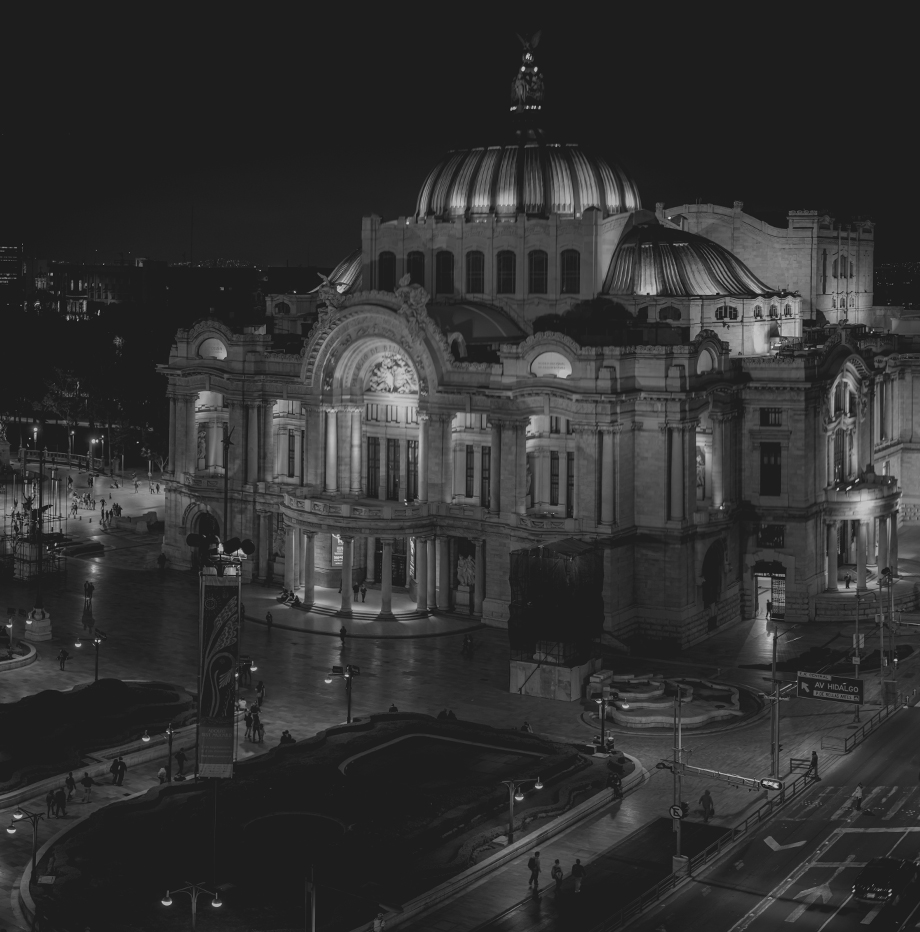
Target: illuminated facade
[{"x": 414, "y": 420}]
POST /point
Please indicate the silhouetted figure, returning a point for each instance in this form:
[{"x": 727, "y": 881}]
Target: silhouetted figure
[
  {"x": 343, "y": 633},
  {"x": 393, "y": 708},
  {"x": 181, "y": 758},
  {"x": 286, "y": 738},
  {"x": 363, "y": 592},
  {"x": 63, "y": 657},
  {"x": 578, "y": 872},
  {"x": 709, "y": 807},
  {"x": 269, "y": 620}
]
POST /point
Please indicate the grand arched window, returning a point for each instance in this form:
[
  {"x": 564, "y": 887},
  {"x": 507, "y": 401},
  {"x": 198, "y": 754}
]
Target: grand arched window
[
  {"x": 444, "y": 272},
  {"x": 386, "y": 271},
  {"x": 537, "y": 265},
  {"x": 505, "y": 272},
  {"x": 415, "y": 266},
  {"x": 570, "y": 271},
  {"x": 475, "y": 272},
  {"x": 669, "y": 313}
]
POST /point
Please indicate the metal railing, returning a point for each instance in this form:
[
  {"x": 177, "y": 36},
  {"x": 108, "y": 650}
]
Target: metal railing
[{"x": 846, "y": 743}]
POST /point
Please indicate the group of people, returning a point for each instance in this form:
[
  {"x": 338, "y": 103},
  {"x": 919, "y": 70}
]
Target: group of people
[
  {"x": 535, "y": 866},
  {"x": 118, "y": 770},
  {"x": 447, "y": 715},
  {"x": 255, "y": 729}
]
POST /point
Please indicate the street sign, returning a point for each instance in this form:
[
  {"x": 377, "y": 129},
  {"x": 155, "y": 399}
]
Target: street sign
[
  {"x": 676, "y": 812},
  {"x": 859, "y": 641},
  {"x": 829, "y": 686},
  {"x": 772, "y": 784}
]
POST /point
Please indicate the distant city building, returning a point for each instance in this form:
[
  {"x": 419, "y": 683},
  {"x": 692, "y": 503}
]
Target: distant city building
[{"x": 530, "y": 357}]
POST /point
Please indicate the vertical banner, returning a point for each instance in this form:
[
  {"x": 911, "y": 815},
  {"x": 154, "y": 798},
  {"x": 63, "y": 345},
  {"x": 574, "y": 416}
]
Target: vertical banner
[{"x": 219, "y": 647}]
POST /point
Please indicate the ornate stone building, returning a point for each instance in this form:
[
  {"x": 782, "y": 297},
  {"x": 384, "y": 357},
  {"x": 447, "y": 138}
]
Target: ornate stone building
[{"x": 417, "y": 418}]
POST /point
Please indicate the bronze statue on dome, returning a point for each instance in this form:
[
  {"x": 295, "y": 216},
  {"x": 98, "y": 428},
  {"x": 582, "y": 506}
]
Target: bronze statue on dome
[{"x": 527, "y": 86}]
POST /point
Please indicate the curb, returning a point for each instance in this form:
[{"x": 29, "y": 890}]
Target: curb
[{"x": 30, "y": 657}]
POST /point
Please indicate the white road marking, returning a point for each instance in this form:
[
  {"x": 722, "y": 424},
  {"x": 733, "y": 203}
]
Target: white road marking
[
  {"x": 822, "y": 890},
  {"x": 776, "y": 846},
  {"x": 893, "y": 810},
  {"x": 870, "y": 916},
  {"x": 739, "y": 865}
]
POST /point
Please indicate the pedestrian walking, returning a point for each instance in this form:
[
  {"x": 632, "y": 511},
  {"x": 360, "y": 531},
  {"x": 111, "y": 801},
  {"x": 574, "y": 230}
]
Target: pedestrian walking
[
  {"x": 354, "y": 588},
  {"x": 533, "y": 865},
  {"x": 857, "y": 797},
  {"x": 258, "y": 729},
  {"x": 71, "y": 785},
  {"x": 769, "y": 609},
  {"x": 248, "y": 719},
  {"x": 557, "y": 874},
  {"x": 343, "y": 633},
  {"x": 50, "y": 804},
  {"x": 846, "y": 580},
  {"x": 60, "y": 802},
  {"x": 161, "y": 775},
  {"x": 136, "y": 486},
  {"x": 260, "y": 693},
  {"x": 158, "y": 488},
  {"x": 380, "y": 923},
  {"x": 161, "y": 563},
  {"x": 268, "y": 620},
  {"x": 63, "y": 657},
  {"x": 578, "y": 872},
  {"x": 181, "y": 758},
  {"x": 113, "y": 770},
  {"x": 122, "y": 770},
  {"x": 814, "y": 764},
  {"x": 709, "y": 807},
  {"x": 363, "y": 592},
  {"x": 87, "y": 784}
]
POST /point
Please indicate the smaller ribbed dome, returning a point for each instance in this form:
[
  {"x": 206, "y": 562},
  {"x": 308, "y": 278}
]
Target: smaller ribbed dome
[
  {"x": 532, "y": 177},
  {"x": 652, "y": 259}
]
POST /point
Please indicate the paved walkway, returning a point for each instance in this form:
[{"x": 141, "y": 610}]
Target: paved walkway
[{"x": 152, "y": 633}]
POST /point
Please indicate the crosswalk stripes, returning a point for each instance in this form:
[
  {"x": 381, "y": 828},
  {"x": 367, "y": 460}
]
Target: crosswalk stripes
[
  {"x": 899, "y": 803},
  {"x": 884, "y": 801}
]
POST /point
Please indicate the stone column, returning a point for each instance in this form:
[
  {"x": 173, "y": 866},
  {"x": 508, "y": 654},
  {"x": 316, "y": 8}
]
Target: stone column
[
  {"x": 268, "y": 442},
  {"x": 421, "y": 574},
  {"x": 861, "y": 555},
  {"x": 172, "y": 434},
  {"x": 832, "y": 556},
  {"x": 495, "y": 468},
  {"x": 545, "y": 478},
  {"x": 718, "y": 492},
  {"x": 309, "y": 560},
  {"x": 677, "y": 473},
  {"x": 444, "y": 573},
  {"x": 607, "y": 513},
  {"x": 290, "y": 558},
  {"x": 870, "y": 542},
  {"x": 423, "y": 439},
  {"x": 355, "y": 488},
  {"x": 403, "y": 446},
  {"x": 191, "y": 436},
  {"x": 386, "y": 578},
  {"x": 369, "y": 558},
  {"x": 252, "y": 443},
  {"x": 893, "y": 544},
  {"x": 265, "y": 542},
  {"x": 347, "y": 553},
  {"x": 432, "y": 568},
  {"x": 332, "y": 451},
  {"x": 883, "y": 557},
  {"x": 480, "y": 584},
  {"x": 237, "y": 454}
]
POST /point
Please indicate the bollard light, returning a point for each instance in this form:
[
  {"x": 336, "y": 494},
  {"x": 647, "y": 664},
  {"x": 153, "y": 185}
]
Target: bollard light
[
  {"x": 538, "y": 785},
  {"x": 146, "y": 736}
]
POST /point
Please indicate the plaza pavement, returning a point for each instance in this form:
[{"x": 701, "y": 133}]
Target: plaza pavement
[{"x": 151, "y": 623}]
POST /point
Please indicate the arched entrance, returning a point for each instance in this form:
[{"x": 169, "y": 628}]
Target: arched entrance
[{"x": 769, "y": 586}]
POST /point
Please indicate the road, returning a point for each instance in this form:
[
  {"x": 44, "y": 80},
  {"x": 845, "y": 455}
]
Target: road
[{"x": 797, "y": 872}]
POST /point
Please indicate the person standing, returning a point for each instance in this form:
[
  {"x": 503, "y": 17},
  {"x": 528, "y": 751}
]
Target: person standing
[
  {"x": 354, "y": 589},
  {"x": 814, "y": 764},
  {"x": 709, "y": 808},
  {"x": 269, "y": 621},
  {"x": 363, "y": 592},
  {"x": 343, "y": 633},
  {"x": 846, "y": 580},
  {"x": 534, "y": 866},
  {"x": 260, "y": 693},
  {"x": 60, "y": 802},
  {"x": 50, "y": 804},
  {"x": 769, "y": 609},
  {"x": 578, "y": 872},
  {"x": 557, "y": 874},
  {"x": 122, "y": 770},
  {"x": 87, "y": 784},
  {"x": 248, "y": 719},
  {"x": 71, "y": 785},
  {"x": 63, "y": 657},
  {"x": 258, "y": 729},
  {"x": 857, "y": 797},
  {"x": 181, "y": 758},
  {"x": 113, "y": 770}
]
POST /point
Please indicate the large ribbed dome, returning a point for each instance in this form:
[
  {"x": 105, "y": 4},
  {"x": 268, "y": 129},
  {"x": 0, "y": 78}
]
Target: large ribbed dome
[
  {"x": 532, "y": 177},
  {"x": 652, "y": 259}
]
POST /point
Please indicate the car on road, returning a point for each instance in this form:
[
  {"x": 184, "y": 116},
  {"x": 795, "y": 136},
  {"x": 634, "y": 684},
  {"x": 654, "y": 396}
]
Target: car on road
[{"x": 883, "y": 880}]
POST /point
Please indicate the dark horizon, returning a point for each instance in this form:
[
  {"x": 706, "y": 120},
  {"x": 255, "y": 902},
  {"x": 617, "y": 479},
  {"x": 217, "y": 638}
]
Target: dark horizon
[{"x": 282, "y": 138}]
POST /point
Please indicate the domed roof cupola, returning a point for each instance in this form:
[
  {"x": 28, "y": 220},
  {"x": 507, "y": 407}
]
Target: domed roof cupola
[
  {"x": 530, "y": 175},
  {"x": 652, "y": 259}
]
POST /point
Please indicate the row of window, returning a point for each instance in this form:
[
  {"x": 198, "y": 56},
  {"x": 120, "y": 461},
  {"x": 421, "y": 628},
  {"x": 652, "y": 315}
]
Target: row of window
[
  {"x": 391, "y": 466},
  {"x": 843, "y": 302},
  {"x": 727, "y": 312},
  {"x": 391, "y": 414},
  {"x": 505, "y": 271}
]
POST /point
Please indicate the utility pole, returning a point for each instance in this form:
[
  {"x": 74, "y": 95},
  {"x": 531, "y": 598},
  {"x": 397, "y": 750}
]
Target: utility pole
[
  {"x": 856, "y": 645},
  {"x": 678, "y": 760},
  {"x": 227, "y": 443}
]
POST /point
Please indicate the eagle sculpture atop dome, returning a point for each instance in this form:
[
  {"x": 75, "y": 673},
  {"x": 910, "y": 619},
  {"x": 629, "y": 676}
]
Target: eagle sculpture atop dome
[{"x": 527, "y": 86}]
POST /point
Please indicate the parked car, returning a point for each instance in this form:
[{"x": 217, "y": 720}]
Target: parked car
[{"x": 884, "y": 880}]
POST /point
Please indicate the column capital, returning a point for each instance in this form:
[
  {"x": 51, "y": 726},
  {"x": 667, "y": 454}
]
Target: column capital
[
  {"x": 385, "y": 540},
  {"x": 352, "y": 409},
  {"x": 423, "y": 416},
  {"x": 347, "y": 538},
  {"x": 478, "y": 541},
  {"x": 584, "y": 428},
  {"x": 436, "y": 417},
  {"x": 610, "y": 428}
]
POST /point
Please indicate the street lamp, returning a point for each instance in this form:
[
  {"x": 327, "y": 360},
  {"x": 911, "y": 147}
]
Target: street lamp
[
  {"x": 32, "y": 817},
  {"x": 347, "y": 673},
  {"x": 169, "y": 735},
  {"x": 516, "y": 793},
  {"x": 194, "y": 890},
  {"x": 96, "y": 640},
  {"x": 774, "y": 717},
  {"x": 9, "y": 627},
  {"x": 602, "y": 701},
  {"x": 69, "y": 447},
  {"x": 886, "y": 577}
]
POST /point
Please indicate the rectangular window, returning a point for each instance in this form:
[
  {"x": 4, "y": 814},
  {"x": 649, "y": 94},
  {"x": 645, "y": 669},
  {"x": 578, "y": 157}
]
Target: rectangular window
[
  {"x": 505, "y": 272},
  {"x": 373, "y": 412},
  {"x": 570, "y": 485},
  {"x": 553, "y": 478},
  {"x": 412, "y": 415},
  {"x": 771, "y": 469},
  {"x": 393, "y": 470},
  {"x": 470, "y": 469},
  {"x": 772, "y": 536},
  {"x": 412, "y": 471},
  {"x": 554, "y": 425},
  {"x": 839, "y": 440},
  {"x": 771, "y": 417},
  {"x": 303, "y": 454},
  {"x": 536, "y": 272},
  {"x": 292, "y": 450},
  {"x": 475, "y": 272},
  {"x": 392, "y": 414},
  {"x": 485, "y": 475},
  {"x": 373, "y": 467},
  {"x": 569, "y": 427},
  {"x": 571, "y": 272}
]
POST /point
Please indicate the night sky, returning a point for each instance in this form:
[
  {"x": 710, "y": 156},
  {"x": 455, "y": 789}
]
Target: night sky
[{"x": 285, "y": 128}]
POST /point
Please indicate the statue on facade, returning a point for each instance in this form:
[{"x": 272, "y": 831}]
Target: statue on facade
[
  {"x": 330, "y": 298},
  {"x": 392, "y": 375},
  {"x": 466, "y": 571},
  {"x": 527, "y": 86},
  {"x": 202, "y": 443},
  {"x": 413, "y": 299},
  {"x": 700, "y": 473}
]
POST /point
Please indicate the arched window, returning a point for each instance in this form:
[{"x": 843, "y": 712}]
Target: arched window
[
  {"x": 570, "y": 272},
  {"x": 212, "y": 348},
  {"x": 505, "y": 269},
  {"x": 475, "y": 272},
  {"x": 444, "y": 272},
  {"x": 758, "y": 311},
  {"x": 537, "y": 263},
  {"x": 833, "y": 303},
  {"x": 282, "y": 308},
  {"x": 787, "y": 311},
  {"x": 852, "y": 301},
  {"x": 669, "y": 313},
  {"x": 415, "y": 266},
  {"x": 726, "y": 312},
  {"x": 386, "y": 271},
  {"x": 642, "y": 314},
  {"x": 774, "y": 310}
]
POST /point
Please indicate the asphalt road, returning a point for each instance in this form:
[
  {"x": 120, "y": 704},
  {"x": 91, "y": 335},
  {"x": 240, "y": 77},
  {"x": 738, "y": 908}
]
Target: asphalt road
[{"x": 797, "y": 872}]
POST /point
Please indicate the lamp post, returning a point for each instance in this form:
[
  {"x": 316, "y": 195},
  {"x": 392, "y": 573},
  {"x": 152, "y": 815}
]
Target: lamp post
[
  {"x": 602, "y": 701},
  {"x": 69, "y": 447},
  {"x": 96, "y": 640},
  {"x": 347, "y": 673},
  {"x": 774, "y": 718},
  {"x": 886, "y": 577},
  {"x": 32, "y": 817},
  {"x": 857, "y": 644},
  {"x": 102, "y": 451},
  {"x": 516, "y": 793},
  {"x": 169, "y": 736},
  {"x": 194, "y": 890},
  {"x": 9, "y": 627}
]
